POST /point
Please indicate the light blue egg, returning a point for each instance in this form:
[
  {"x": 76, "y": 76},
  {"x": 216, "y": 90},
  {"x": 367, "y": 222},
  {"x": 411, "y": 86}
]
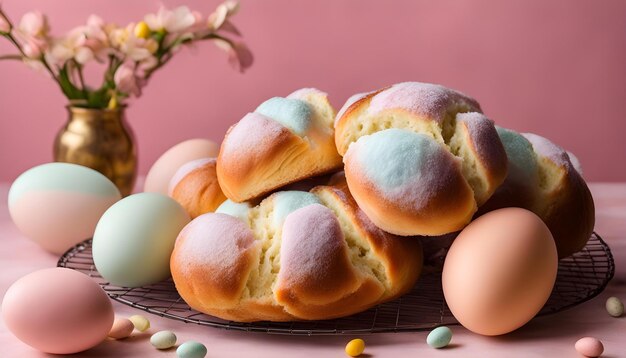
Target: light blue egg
[
  {"x": 135, "y": 238},
  {"x": 294, "y": 114},
  {"x": 439, "y": 337},
  {"x": 191, "y": 349}
]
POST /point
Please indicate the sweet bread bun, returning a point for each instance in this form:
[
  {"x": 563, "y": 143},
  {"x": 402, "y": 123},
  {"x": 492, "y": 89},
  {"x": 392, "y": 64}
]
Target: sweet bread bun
[
  {"x": 419, "y": 158},
  {"x": 283, "y": 141},
  {"x": 296, "y": 256},
  {"x": 543, "y": 179},
  {"x": 194, "y": 186}
]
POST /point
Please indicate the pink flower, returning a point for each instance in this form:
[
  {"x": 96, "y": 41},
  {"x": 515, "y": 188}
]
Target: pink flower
[
  {"x": 34, "y": 24},
  {"x": 225, "y": 10},
  {"x": 178, "y": 20},
  {"x": 127, "y": 81},
  {"x": 239, "y": 56}
]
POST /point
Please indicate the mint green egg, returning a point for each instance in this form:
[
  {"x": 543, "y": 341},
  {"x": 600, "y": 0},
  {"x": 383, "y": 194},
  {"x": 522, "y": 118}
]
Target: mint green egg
[
  {"x": 439, "y": 337},
  {"x": 135, "y": 238},
  {"x": 191, "y": 349},
  {"x": 62, "y": 177}
]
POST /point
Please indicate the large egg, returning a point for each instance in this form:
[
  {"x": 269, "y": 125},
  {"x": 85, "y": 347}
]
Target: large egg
[
  {"x": 57, "y": 310},
  {"x": 59, "y": 204},
  {"x": 500, "y": 271},
  {"x": 134, "y": 239},
  {"x": 162, "y": 171}
]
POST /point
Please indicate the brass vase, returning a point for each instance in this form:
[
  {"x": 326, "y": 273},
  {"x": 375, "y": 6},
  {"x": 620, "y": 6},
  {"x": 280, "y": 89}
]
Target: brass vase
[{"x": 102, "y": 140}]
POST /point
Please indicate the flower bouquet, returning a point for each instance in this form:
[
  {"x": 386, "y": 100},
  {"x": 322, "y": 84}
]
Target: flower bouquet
[{"x": 96, "y": 134}]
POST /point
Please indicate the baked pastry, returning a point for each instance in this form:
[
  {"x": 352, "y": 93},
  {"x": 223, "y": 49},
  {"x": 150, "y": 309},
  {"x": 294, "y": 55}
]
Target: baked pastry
[
  {"x": 283, "y": 141},
  {"x": 419, "y": 158},
  {"x": 195, "y": 187},
  {"x": 543, "y": 179},
  {"x": 296, "y": 256}
]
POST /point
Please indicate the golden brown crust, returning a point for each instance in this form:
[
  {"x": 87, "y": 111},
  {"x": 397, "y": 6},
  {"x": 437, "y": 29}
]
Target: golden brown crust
[
  {"x": 259, "y": 155},
  {"x": 570, "y": 213},
  {"x": 198, "y": 191}
]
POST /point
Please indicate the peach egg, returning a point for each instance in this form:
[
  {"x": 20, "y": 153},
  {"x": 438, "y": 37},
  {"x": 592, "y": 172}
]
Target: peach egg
[
  {"x": 162, "y": 171},
  {"x": 500, "y": 271}
]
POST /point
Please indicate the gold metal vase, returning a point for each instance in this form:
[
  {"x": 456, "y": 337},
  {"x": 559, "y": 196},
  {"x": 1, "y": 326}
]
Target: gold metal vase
[{"x": 102, "y": 140}]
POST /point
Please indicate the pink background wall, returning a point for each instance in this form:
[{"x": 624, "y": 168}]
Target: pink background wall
[{"x": 557, "y": 68}]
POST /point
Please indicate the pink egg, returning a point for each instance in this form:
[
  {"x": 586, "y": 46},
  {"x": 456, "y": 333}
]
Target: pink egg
[
  {"x": 589, "y": 347},
  {"x": 58, "y": 311}
]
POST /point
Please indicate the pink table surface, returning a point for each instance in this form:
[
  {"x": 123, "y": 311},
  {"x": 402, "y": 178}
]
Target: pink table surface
[{"x": 551, "y": 336}]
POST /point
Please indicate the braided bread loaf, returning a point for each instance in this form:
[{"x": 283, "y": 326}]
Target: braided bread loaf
[
  {"x": 419, "y": 158},
  {"x": 283, "y": 141},
  {"x": 297, "y": 255},
  {"x": 543, "y": 179}
]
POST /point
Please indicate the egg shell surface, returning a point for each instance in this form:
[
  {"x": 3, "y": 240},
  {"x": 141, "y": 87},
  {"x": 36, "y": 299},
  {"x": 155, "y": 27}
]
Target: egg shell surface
[
  {"x": 500, "y": 271},
  {"x": 58, "y": 205},
  {"x": 134, "y": 239},
  {"x": 162, "y": 171},
  {"x": 57, "y": 310}
]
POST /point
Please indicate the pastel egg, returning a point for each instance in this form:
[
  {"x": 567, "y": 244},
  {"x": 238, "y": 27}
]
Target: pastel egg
[
  {"x": 135, "y": 237},
  {"x": 58, "y": 205},
  {"x": 589, "y": 347},
  {"x": 163, "y": 340},
  {"x": 57, "y": 310},
  {"x": 355, "y": 347},
  {"x": 614, "y": 307},
  {"x": 439, "y": 337},
  {"x": 162, "y": 171},
  {"x": 122, "y": 328},
  {"x": 140, "y": 322},
  {"x": 500, "y": 271},
  {"x": 191, "y": 349}
]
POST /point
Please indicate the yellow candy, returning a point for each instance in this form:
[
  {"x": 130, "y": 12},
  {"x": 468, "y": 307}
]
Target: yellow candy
[
  {"x": 355, "y": 347},
  {"x": 141, "y": 323},
  {"x": 142, "y": 30}
]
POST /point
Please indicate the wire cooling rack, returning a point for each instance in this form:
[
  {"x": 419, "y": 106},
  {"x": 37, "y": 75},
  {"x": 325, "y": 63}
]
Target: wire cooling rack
[{"x": 580, "y": 278}]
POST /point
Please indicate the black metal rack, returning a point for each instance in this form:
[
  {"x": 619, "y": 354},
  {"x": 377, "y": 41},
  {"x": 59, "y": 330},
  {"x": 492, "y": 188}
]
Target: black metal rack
[{"x": 580, "y": 278}]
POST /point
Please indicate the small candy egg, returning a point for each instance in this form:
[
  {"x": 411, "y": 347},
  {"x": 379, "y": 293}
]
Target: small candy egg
[
  {"x": 122, "y": 328},
  {"x": 162, "y": 171},
  {"x": 614, "y": 306},
  {"x": 135, "y": 237},
  {"x": 57, "y": 310},
  {"x": 191, "y": 349},
  {"x": 141, "y": 323},
  {"x": 163, "y": 339},
  {"x": 355, "y": 347},
  {"x": 589, "y": 347},
  {"x": 57, "y": 205},
  {"x": 439, "y": 337}
]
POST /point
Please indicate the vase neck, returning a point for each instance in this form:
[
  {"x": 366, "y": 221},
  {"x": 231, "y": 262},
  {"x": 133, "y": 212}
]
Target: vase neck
[{"x": 95, "y": 114}]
